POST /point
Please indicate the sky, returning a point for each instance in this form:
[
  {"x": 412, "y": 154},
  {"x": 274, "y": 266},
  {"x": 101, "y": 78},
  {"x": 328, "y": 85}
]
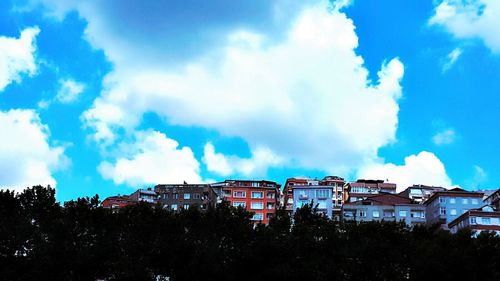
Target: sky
[{"x": 105, "y": 97}]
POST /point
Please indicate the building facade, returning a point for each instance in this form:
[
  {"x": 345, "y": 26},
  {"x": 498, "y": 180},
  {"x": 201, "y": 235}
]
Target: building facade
[
  {"x": 319, "y": 195},
  {"x": 116, "y": 202},
  {"x": 385, "y": 207},
  {"x": 337, "y": 183},
  {"x": 259, "y": 197},
  {"x": 144, "y": 195},
  {"x": 478, "y": 220},
  {"x": 494, "y": 200},
  {"x": 444, "y": 207},
  {"x": 363, "y": 189},
  {"x": 420, "y": 193},
  {"x": 287, "y": 194},
  {"x": 185, "y": 196}
]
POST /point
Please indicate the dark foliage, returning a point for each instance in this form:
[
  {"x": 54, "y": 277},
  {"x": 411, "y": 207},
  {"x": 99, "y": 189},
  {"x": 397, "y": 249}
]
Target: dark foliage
[{"x": 42, "y": 240}]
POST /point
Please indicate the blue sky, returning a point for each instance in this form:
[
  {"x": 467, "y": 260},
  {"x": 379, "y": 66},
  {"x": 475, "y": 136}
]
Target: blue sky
[{"x": 106, "y": 97}]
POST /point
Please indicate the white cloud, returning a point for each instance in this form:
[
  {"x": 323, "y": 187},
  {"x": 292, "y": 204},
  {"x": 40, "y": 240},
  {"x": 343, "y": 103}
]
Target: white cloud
[
  {"x": 69, "y": 90},
  {"x": 152, "y": 158},
  {"x": 451, "y": 59},
  {"x": 423, "y": 168},
  {"x": 446, "y": 136},
  {"x": 480, "y": 176},
  {"x": 306, "y": 99},
  {"x": 471, "y": 19},
  {"x": 256, "y": 166},
  {"x": 26, "y": 157},
  {"x": 17, "y": 56}
]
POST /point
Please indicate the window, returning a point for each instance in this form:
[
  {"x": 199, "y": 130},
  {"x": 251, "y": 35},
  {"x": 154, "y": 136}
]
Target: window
[
  {"x": 176, "y": 195},
  {"x": 255, "y": 184},
  {"x": 239, "y": 194},
  {"x": 472, "y": 220},
  {"x": 270, "y": 206},
  {"x": 485, "y": 221},
  {"x": 474, "y": 201},
  {"x": 257, "y": 217},
  {"x": 186, "y": 206},
  {"x": 257, "y": 205},
  {"x": 376, "y": 214},
  {"x": 257, "y": 194},
  {"x": 322, "y": 193},
  {"x": 442, "y": 200},
  {"x": 453, "y": 212},
  {"x": 196, "y": 196},
  {"x": 417, "y": 214},
  {"x": 388, "y": 214},
  {"x": 303, "y": 194},
  {"x": 348, "y": 214},
  {"x": 452, "y": 201},
  {"x": 402, "y": 214},
  {"x": 187, "y": 196},
  {"x": 321, "y": 204},
  {"x": 271, "y": 195},
  {"x": 174, "y": 207},
  {"x": 362, "y": 213},
  {"x": 465, "y": 201},
  {"x": 442, "y": 211},
  {"x": 239, "y": 204}
]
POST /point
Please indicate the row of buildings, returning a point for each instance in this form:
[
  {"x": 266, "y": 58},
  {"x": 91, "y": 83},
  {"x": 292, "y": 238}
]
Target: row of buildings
[{"x": 362, "y": 200}]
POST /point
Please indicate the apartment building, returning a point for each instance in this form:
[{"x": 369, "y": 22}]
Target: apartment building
[
  {"x": 287, "y": 194},
  {"x": 185, "y": 196},
  {"x": 258, "y": 196},
  {"x": 385, "y": 207},
  {"x": 319, "y": 195},
  {"x": 116, "y": 202},
  {"x": 337, "y": 184},
  {"x": 144, "y": 195},
  {"x": 444, "y": 207},
  {"x": 478, "y": 220},
  {"x": 363, "y": 189},
  {"x": 420, "y": 193},
  {"x": 494, "y": 200}
]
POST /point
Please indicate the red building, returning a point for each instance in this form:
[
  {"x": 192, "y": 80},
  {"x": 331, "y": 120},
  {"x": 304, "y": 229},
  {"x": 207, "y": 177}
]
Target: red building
[
  {"x": 258, "y": 197},
  {"x": 116, "y": 202}
]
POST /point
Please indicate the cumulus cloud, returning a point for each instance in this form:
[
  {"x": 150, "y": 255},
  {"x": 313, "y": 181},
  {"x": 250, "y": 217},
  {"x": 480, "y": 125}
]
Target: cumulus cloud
[
  {"x": 17, "y": 56},
  {"x": 179, "y": 29},
  {"x": 306, "y": 99},
  {"x": 451, "y": 59},
  {"x": 471, "y": 19},
  {"x": 446, "y": 136},
  {"x": 150, "y": 159},
  {"x": 26, "y": 157},
  {"x": 422, "y": 168},
  {"x": 292, "y": 87},
  {"x": 69, "y": 90},
  {"x": 256, "y": 166}
]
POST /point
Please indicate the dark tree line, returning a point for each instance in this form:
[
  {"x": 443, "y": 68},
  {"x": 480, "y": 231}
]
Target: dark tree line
[{"x": 42, "y": 240}]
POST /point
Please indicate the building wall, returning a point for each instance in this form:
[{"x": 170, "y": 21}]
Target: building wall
[
  {"x": 243, "y": 195},
  {"x": 479, "y": 225},
  {"x": 446, "y": 202},
  {"x": 412, "y": 214},
  {"x": 178, "y": 197},
  {"x": 306, "y": 194}
]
